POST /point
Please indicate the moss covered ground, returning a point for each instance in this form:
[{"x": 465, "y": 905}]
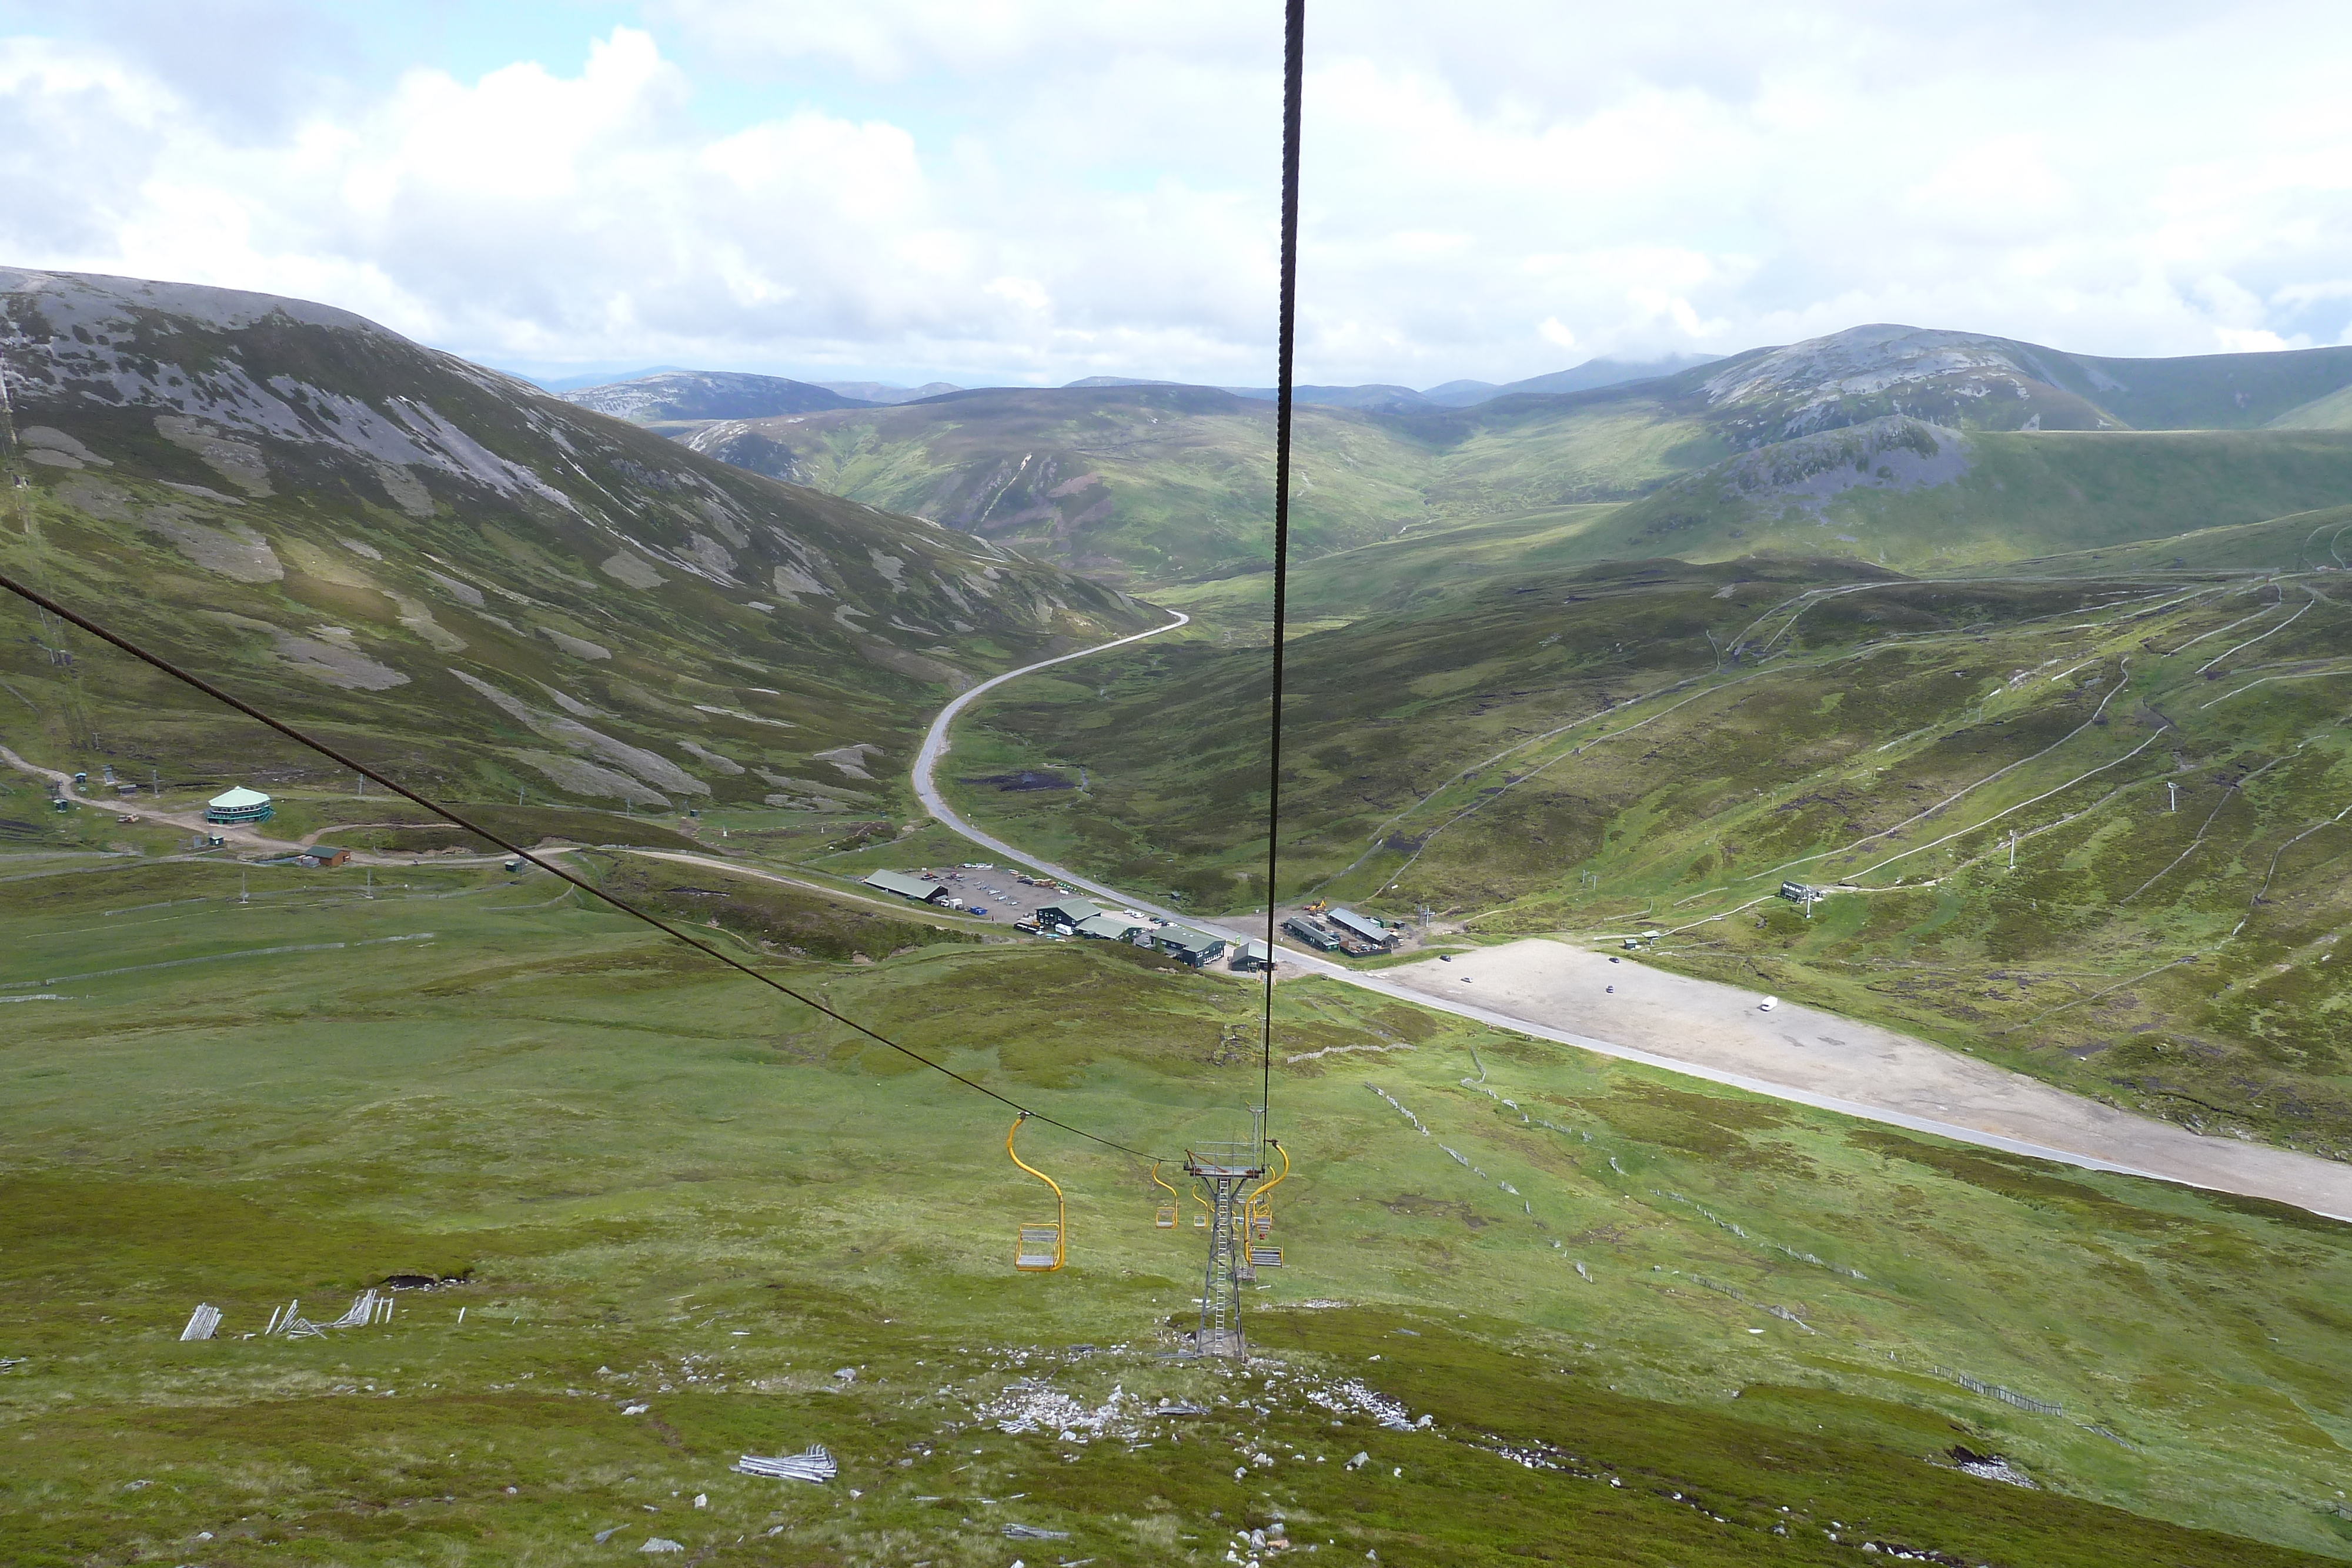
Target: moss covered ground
[{"x": 1718, "y": 1329}]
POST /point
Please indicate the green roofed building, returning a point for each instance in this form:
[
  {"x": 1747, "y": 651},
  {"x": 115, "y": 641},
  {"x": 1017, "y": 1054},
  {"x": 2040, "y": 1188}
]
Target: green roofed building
[
  {"x": 239, "y": 805},
  {"x": 1109, "y": 927},
  {"x": 1071, "y": 912},
  {"x": 907, "y": 886},
  {"x": 1186, "y": 946}
]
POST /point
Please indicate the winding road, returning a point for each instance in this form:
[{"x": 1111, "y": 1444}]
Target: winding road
[{"x": 1719, "y": 1033}]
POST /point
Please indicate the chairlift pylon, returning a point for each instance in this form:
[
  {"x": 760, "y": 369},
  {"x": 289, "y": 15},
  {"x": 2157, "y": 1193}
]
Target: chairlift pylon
[
  {"x": 1038, "y": 1248},
  {"x": 1164, "y": 1217}
]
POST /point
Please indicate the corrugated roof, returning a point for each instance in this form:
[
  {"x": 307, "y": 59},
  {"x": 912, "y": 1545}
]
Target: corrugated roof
[
  {"x": 1348, "y": 920},
  {"x": 903, "y": 886},
  {"x": 1074, "y": 910},
  {"x": 1112, "y": 927},
  {"x": 1186, "y": 936}
]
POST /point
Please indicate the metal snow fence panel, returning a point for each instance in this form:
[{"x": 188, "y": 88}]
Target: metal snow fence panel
[
  {"x": 812, "y": 1464},
  {"x": 201, "y": 1323},
  {"x": 2006, "y": 1395}
]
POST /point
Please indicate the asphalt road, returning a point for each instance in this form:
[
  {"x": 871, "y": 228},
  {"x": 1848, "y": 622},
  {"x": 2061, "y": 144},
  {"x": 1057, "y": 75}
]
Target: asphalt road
[{"x": 1717, "y": 1032}]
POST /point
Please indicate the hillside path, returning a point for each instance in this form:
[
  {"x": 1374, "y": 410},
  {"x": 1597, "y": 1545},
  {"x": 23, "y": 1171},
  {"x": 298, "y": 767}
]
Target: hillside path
[
  {"x": 896, "y": 906},
  {"x": 1717, "y": 1032},
  {"x": 234, "y": 835}
]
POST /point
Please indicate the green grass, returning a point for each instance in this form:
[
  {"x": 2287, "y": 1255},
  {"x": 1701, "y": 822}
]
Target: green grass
[
  {"x": 2019, "y": 496},
  {"x": 625, "y": 1158},
  {"x": 1661, "y": 744},
  {"x": 1153, "y": 485}
]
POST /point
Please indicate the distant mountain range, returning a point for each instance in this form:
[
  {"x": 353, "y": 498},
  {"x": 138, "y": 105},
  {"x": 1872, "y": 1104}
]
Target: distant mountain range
[
  {"x": 1905, "y": 446},
  {"x": 667, "y": 394},
  {"x": 1467, "y": 394}
]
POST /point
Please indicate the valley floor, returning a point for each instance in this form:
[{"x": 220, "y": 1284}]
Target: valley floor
[{"x": 1715, "y": 1031}]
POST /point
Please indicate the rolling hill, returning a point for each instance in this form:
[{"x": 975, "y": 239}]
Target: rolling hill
[
  {"x": 1920, "y": 496},
  {"x": 1588, "y": 749},
  {"x": 1144, "y": 484},
  {"x": 692, "y": 396},
  {"x": 1147, "y": 484},
  {"x": 636, "y": 1217},
  {"x": 487, "y": 589}
]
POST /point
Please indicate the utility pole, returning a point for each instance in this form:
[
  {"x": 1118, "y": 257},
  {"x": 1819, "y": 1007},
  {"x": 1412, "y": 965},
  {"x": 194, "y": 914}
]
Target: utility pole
[
  {"x": 2012, "y": 849},
  {"x": 2175, "y": 805}
]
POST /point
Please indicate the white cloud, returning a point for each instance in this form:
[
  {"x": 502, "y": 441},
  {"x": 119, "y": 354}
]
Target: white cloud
[{"x": 1051, "y": 190}]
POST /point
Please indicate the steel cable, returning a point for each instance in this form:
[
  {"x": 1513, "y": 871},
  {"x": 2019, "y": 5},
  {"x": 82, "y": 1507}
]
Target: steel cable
[
  {"x": 1293, "y": 75},
  {"x": 156, "y": 660}
]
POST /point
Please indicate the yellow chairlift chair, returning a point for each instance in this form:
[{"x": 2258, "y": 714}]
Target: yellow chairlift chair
[
  {"x": 1258, "y": 1213},
  {"x": 1164, "y": 1217},
  {"x": 1039, "y": 1249}
]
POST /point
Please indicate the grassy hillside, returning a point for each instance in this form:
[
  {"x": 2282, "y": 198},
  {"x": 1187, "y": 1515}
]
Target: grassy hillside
[
  {"x": 480, "y": 587},
  {"x": 676, "y": 1223},
  {"x": 1851, "y": 435},
  {"x": 2214, "y": 392},
  {"x": 1154, "y": 485},
  {"x": 2333, "y": 412},
  {"x": 1659, "y": 745},
  {"x": 1917, "y": 496}
]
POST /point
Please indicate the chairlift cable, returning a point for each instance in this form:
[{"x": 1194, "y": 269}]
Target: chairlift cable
[
  {"x": 626, "y": 907},
  {"x": 1293, "y": 76}
]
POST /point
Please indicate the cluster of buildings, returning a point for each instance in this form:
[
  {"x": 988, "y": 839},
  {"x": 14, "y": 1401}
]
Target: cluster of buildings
[
  {"x": 1065, "y": 913},
  {"x": 1342, "y": 930}
]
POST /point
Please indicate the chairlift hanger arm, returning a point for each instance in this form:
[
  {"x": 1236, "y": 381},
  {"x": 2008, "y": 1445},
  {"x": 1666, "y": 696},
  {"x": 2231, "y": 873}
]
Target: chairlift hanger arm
[
  {"x": 1025, "y": 1164},
  {"x": 157, "y": 661},
  {"x": 1275, "y": 1145}
]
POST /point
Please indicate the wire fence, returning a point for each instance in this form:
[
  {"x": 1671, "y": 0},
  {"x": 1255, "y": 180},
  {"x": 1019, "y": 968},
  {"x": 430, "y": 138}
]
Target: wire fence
[
  {"x": 2006, "y": 1395},
  {"x": 1761, "y": 1241}
]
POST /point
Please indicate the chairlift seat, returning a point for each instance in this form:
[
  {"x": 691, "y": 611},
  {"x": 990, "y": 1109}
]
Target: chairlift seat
[
  {"x": 1265, "y": 1257},
  {"x": 1039, "y": 1249},
  {"x": 1165, "y": 1218}
]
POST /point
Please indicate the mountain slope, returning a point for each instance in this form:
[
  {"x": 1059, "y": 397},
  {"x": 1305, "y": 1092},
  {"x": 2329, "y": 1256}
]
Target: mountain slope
[
  {"x": 1919, "y": 496},
  {"x": 1154, "y": 483},
  {"x": 1975, "y": 381},
  {"x": 1148, "y": 483},
  {"x": 682, "y": 395},
  {"x": 1655, "y": 744},
  {"x": 486, "y": 588},
  {"x": 1585, "y": 377}
]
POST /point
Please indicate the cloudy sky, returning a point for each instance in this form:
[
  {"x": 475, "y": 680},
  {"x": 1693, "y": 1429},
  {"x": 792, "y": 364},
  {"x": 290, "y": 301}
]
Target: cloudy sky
[{"x": 1032, "y": 191}]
